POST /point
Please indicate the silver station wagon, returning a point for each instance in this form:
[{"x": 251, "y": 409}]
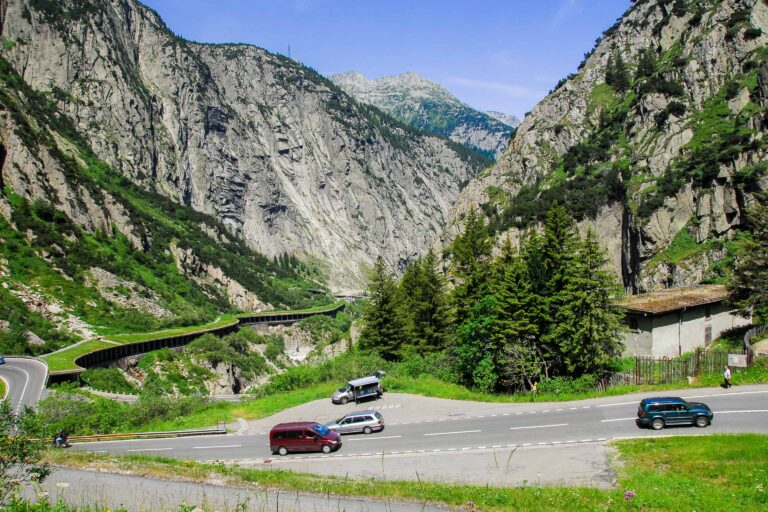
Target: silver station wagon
[{"x": 361, "y": 421}]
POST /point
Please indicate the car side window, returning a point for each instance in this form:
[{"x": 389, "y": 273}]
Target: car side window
[
  {"x": 654, "y": 408},
  {"x": 359, "y": 419},
  {"x": 368, "y": 418},
  {"x": 310, "y": 435},
  {"x": 345, "y": 421}
]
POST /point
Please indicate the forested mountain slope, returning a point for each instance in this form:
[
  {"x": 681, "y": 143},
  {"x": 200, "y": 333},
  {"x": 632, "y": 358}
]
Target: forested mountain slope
[
  {"x": 658, "y": 141},
  {"x": 272, "y": 150}
]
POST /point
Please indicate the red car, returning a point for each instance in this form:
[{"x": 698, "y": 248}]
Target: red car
[{"x": 303, "y": 436}]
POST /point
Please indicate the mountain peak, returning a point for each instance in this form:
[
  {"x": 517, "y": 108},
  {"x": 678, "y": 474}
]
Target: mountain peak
[{"x": 427, "y": 105}]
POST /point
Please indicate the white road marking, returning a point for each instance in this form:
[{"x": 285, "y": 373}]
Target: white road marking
[
  {"x": 621, "y": 403},
  {"x": 727, "y": 393},
  {"x": 745, "y": 411},
  {"x": 617, "y": 419},
  {"x": 220, "y": 446},
  {"x": 151, "y": 450},
  {"x": 539, "y": 426},
  {"x": 451, "y": 433},
  {"x": 373, "y": 438},
  {"x": 7, "y": 388}
]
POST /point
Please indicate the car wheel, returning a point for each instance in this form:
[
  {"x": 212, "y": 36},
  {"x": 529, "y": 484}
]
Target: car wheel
[
  {"x": 283, "y": 451},
  {"x": 367, "y": 430},
  {"x": 326, "y": 448},
  {"x": 344, "y": 401},
  {"x": 701, "y": 421},
  {"x": 657, "y": 424}
]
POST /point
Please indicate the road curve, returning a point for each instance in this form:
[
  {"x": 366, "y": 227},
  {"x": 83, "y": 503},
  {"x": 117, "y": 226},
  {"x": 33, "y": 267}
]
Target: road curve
[
  {"x": 463, "y": 448},
  {"x": 25, "y": 379}
]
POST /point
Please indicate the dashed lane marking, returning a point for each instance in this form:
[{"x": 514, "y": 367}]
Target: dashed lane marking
[
  {"x": 451, "y": 433},
  {"x": 617, "y": 419},
  {"x": 374, "y": 438},
  {"x": 539, "y": 426}
]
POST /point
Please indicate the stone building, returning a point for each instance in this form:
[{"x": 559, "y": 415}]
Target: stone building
[{"x": 674, "y": 321}]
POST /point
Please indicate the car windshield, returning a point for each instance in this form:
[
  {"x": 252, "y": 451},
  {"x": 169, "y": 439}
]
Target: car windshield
[
  {"x": 320, "y": 429},
  {"x": 344, "y": 389}
]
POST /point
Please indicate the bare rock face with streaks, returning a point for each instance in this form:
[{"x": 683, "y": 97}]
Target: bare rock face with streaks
[{"x": 273, "y": 150}]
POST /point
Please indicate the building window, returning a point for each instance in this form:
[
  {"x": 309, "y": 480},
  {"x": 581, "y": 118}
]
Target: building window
[
  {"x": 707, "y": 313},
  {"x": 632, "y": 321}
]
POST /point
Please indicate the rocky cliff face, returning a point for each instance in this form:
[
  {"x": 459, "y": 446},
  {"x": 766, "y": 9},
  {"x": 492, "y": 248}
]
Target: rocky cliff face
[
  {"x": 426, "y": 105},
  {"x": 277, "y": 153},
  {"x": 657, "y": 142}
]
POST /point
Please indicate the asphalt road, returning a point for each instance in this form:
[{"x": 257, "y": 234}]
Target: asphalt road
[
  {"x": 24, "y": 380},
  {"x": 460, "y": 447},
  {"x": 90, "y": 489}
]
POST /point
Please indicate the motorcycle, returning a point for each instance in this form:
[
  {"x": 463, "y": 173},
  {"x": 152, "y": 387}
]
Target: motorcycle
[{"x": 60, "y": 443}]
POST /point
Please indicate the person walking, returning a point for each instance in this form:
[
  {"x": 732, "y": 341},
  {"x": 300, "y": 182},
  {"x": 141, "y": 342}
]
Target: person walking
[{"x": 727, "y": 377}]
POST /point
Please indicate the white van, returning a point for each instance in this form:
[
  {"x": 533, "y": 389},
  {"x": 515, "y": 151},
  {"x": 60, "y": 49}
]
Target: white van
[{"x": 358, "y": 389}]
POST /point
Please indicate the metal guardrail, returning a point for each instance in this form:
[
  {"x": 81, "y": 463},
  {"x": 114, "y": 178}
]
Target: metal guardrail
[{"x": 151, "y": 435}]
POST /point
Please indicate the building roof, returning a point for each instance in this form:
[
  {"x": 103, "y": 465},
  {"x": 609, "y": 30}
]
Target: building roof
[{"x": 673, "y": 299}]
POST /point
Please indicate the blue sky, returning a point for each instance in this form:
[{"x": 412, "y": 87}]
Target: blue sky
[{"x": 493, "y": 54}]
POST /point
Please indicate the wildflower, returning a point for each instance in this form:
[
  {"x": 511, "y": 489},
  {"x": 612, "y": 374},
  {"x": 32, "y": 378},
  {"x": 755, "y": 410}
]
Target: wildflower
[{"x": 628, "y": 495}]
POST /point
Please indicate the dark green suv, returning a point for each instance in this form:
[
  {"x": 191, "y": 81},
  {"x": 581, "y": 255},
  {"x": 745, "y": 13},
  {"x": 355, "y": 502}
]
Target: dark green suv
[{"x": 660, "y": 412}]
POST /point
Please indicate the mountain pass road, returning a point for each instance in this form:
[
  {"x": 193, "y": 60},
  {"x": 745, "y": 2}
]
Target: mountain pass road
[
  {"x": 24, "y": 381},
  {"x": 510, "y": 444}
]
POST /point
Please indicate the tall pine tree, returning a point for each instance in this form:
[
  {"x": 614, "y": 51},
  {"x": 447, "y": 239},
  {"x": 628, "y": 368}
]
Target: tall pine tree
[
  {"x": 520, "y": 360},
  {"x": 426, "y": 305},
  {"x": 470, "y": 264},
  {"x": 383, "y": 330},
  {"x": 586, "y": 327}
]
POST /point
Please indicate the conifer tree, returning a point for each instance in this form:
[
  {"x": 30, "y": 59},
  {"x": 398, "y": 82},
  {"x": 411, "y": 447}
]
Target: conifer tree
[
  {"x": 586, "y": 327},
  {"x": 383, "y": 330},
  {"x": 517, "y": 327},
  {"x": 749, "y": 289},
  {"x": 620, "y": 75},
  {"x": 471, "y": 267},
  {"x": 646, "y": 63},
  {"x": 429, "y": 306}
]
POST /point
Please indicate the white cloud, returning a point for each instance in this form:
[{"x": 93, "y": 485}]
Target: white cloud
[{"x": 512, "y": 90}]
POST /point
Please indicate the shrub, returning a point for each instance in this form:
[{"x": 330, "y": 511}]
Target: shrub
[
  {"x": 558, "y": 385},
  {"x": 107, "y": 379}
]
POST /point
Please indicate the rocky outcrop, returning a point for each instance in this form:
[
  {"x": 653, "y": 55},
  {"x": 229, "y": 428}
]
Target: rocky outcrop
[
  {"x": 276, "y": 152},
  {"x": 126, "y": 294},
  {"x": 680, "y": 162},
  {"x": 208, "y": 275},
  {"x": 428, "y": 106}
]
